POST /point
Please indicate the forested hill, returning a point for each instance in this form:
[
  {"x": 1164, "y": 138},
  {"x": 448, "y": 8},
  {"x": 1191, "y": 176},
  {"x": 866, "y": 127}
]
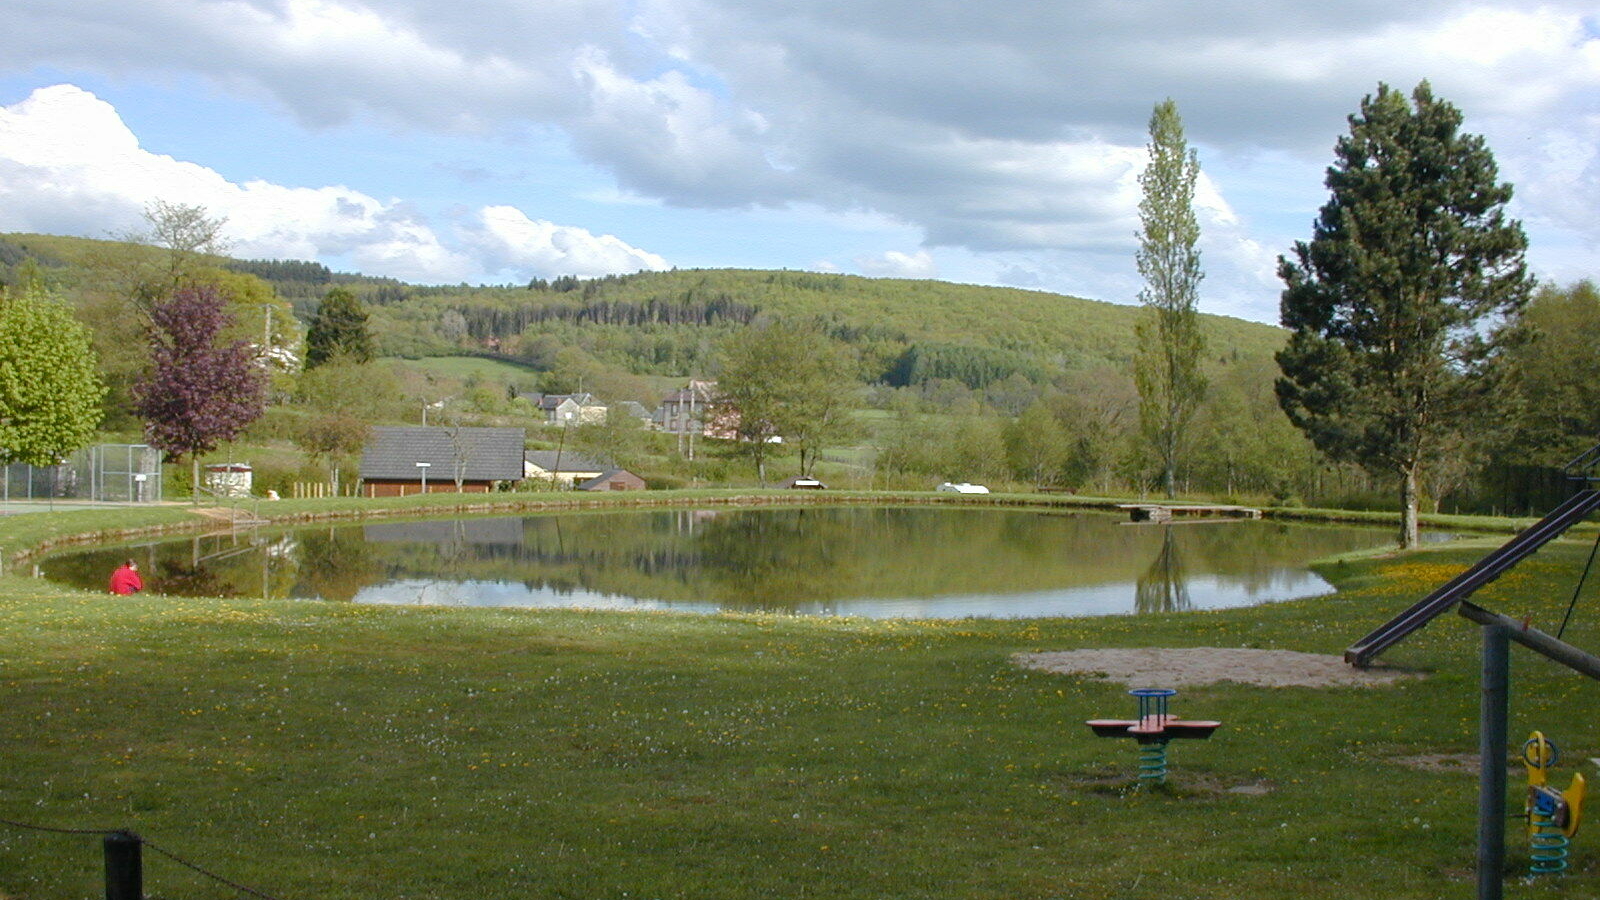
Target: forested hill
[
  {"x": 904, "y": 330},
  {"x": 667, "y": 323}
]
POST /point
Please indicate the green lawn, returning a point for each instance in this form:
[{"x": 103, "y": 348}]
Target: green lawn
[{"x": 318, "y": 750}]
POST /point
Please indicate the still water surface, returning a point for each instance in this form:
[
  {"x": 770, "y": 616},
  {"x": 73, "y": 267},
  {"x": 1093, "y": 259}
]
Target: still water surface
[{"x": 881, "y": 562}]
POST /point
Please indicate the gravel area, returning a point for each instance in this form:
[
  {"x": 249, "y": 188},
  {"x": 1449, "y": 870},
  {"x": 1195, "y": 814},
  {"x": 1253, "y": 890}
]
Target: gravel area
[{"x": 1177, "y": 667}]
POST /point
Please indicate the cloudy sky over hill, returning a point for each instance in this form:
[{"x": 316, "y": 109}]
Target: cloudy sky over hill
[{"x": 997, "y": 143}]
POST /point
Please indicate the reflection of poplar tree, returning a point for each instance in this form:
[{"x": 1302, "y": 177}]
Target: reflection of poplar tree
[{"x": 1162, "y": 587}]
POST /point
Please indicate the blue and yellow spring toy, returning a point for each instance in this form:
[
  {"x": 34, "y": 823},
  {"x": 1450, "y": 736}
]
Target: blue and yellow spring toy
[{"x": 1552, "y": 815}]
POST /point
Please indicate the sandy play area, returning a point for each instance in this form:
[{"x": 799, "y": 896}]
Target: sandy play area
[{"x": 1171, "y": 667}]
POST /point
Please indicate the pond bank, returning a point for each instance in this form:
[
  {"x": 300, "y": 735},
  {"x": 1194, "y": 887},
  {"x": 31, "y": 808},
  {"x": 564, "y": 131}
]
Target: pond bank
[{"x": 23, "y": 537}]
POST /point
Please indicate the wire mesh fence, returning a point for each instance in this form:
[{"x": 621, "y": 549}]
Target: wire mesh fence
[{"x": 106, "y": 473}]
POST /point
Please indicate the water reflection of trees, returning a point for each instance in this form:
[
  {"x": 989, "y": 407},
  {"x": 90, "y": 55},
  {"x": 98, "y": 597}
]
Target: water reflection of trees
[
  {"x": 779, "y": 559},
  {"x": 336, "y": 563},
  {"x": 1163, "y": 587}
]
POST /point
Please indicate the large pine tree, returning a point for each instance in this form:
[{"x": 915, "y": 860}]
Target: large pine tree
[
  {"x": 1395, "y": 302},
  {"x": 338, "y": 330}
]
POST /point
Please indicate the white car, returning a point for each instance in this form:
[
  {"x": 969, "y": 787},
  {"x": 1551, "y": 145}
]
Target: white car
[{"x": 962, "y": 488}]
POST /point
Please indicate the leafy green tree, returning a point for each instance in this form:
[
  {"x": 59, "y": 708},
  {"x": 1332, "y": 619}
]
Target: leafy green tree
[
  {"x": 1098, "y": 410},
  {"x": 338, "y": 330},
  {"x": 188, "y": 233},
  {"x": 910, "y": 448},
  {"x": 755, "y": 388},
  {"x": 1167, "y": 368},
  {"x": 1037, "y": 445},
  {"x": 1393, "y": 304},
  {"x": 333, "y": 437},
  {"x": 973, "y": 450},
  {"x": 782, "y": 380},
  {"x": 1551, "y": 374},
  {"x": 342, "y": 400},
  {"x": 821, "y": 416},
  {"x": 49, "y": 388},
  {"x": 119, "y": 345},
  {"x": 617, "y": 439},
  {"x": 262, "y": 319}
]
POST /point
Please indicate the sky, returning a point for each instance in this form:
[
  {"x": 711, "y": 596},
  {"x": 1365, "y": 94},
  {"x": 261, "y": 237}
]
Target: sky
[{"x": 495, "y": 141}]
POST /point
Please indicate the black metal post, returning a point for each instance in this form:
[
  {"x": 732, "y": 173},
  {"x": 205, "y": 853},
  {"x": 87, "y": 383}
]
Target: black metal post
[
  {"x": 124, "y": 866},
  {"x": 1492, "y": 730}
]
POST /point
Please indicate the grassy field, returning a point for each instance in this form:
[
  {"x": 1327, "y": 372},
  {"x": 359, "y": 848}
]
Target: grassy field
[
  {"x": 316, "y": 750},
  {"x": 464, "y": 367}
]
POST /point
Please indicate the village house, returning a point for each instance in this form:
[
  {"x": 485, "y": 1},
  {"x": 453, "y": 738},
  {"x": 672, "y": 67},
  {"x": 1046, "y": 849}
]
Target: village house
[
  {"x": 693, "y": 410},
  {"x": 569, "y": 409},
  {"x": 635, "y": 409},
  {"x": 409, "y": 459},
  {"x": 614, "y": 480}
]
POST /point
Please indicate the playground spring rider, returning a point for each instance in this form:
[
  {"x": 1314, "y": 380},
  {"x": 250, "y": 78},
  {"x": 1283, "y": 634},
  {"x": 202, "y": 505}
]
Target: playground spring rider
[
  {"x": 1552, "y": 815},
  {"x": 1152, "y": 730}
]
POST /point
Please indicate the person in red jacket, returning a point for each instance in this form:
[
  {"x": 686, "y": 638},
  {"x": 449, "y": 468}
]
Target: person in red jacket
[{"x": 126, "y": 580}]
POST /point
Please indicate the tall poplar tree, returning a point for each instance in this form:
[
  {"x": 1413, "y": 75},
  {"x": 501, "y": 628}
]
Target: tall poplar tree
[
  {"x": 338, "y": 330},
  {"x": 1394, "y": 304},
  {"x": 1167, "y": 368}
]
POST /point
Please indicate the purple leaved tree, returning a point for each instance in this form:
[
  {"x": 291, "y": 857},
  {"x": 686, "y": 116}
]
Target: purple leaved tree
[{"x": 197, "y": 393}]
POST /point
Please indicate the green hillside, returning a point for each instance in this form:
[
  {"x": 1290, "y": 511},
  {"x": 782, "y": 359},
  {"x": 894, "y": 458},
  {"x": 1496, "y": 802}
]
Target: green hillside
[
  {"x": 81, "y": 262},
  {"x": 905, "y": 332},
  {"x": 667, "y": 323}
]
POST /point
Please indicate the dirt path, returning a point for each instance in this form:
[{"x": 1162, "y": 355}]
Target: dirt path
[{"x": 1173, "y": 667}]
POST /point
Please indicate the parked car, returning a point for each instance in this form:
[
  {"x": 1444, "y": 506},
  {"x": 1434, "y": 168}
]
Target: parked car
[
  {"x": 805, "y": 484},
  {"x": 962, "y": 488}
]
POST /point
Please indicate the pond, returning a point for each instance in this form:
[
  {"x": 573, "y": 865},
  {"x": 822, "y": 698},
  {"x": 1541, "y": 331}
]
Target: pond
[{"x": 881, "y": 562}]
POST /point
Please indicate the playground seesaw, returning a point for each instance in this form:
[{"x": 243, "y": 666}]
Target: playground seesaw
[{"x": 1152, "y": 730}]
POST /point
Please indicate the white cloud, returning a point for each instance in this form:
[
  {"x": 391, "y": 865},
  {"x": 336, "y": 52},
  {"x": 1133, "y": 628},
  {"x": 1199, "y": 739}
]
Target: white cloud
[
  {"x": 1003, "y": 128},
  {"x": 895, "y": 264},
  {"x": 671, "y": 138},
  {"x": 512, "y": 240},
  {"x": 68, "y": 164}
]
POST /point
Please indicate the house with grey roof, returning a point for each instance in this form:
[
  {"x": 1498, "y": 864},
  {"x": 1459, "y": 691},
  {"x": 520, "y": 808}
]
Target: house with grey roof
[
  {"x": 696, "y": 409},
  {"x": 565, "y": 468},
  {"x": 613, "y": 480},
  {"x": 568, "y": 409},
  {"x": 635, "y": 409},
  {"x": 409, "y": 459}
]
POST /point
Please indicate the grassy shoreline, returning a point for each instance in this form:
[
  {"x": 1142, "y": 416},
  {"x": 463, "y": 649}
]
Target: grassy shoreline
[
  {"x": 25, "y": 535},
  {"x": 322, "y": 750}
]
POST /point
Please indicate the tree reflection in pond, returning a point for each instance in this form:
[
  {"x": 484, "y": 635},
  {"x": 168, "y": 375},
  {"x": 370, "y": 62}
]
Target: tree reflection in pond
[
  {"x": 1162, "y": 587},
  {"x": 875, "y": 561},
  {"x": 335, "y": 564}
]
